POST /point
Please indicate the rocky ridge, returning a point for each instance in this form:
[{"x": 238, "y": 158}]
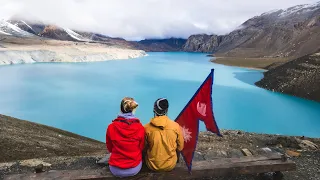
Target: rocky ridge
[
  {"x": 299, "y": 77},
  {"x": 160, "y": 45},
  {"x": 292, "y": 32},
  {"x": 39, "y": 29}
]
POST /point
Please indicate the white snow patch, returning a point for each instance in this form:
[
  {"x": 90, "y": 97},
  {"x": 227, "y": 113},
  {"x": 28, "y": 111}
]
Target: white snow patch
[
  {"x": 12, "y": 29},
  {"x": 26, "y": 24},
  {"x": 270, "y": 12},
  {"x": 301, "y": 8},
  {"x": 5, "y": 33},
  {"x": 75, "y": 35}
]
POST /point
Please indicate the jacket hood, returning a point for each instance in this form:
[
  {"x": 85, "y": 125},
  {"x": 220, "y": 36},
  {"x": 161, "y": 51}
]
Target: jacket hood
[
  {"x": 127, "y": 127},
  {"x": 160, "y": 121}
]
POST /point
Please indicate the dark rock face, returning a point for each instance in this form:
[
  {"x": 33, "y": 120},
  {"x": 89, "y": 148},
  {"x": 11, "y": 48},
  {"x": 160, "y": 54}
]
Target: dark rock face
[
  {"x": 202, "y": 43},
  {"x": 299, "y": 77},
  {"x": 160, "y": 45},
  {"x": 293, "y": 32}
]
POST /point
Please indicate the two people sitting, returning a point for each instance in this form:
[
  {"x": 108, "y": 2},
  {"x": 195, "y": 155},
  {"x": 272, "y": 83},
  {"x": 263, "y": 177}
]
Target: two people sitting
[{"x": 127, "y": 138}]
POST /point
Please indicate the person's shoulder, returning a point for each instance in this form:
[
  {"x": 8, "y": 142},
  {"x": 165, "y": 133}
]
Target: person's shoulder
[
  {"x": 148, "y": 128},
  {"x": 174, "y": 124},
  {"x": 110, "y": 127},
  {"x": 147, "y": 125},
  {"x": 141, "y": 126}
]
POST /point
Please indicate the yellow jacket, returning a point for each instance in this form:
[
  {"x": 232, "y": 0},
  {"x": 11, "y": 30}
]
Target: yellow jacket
[{"x": 163, "y": 138}]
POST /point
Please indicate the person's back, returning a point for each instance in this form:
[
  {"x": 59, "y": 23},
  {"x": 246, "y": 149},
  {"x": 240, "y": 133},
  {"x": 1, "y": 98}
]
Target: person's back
[
  {"x": 163, "y": 138},
  {"x": 125, "y": 141}
]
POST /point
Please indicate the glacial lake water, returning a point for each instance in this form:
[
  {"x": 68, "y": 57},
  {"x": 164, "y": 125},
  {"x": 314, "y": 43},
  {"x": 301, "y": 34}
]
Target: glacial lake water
[{"x": 84, "y": 97}]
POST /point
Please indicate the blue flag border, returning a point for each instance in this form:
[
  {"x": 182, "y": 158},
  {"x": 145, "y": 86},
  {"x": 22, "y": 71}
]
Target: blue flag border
[{"x": 219, "y": 134}]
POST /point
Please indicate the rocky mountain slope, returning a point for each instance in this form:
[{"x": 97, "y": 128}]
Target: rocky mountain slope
[
  {"x": 160, "y": 45},
  {"x": 6, "y": 28},
  {"x": 292, "y": 32},
  {"x": 299, "y": 77},
  {"x": 21, "y": 139},
  {"x": 22, "y": 42},
  {"x": 65, "y": 34},
  {"x": 59, "y": 33},
  {"x": 34, "y": 28}
]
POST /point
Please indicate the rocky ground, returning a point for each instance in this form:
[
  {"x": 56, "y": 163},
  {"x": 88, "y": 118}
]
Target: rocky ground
[
  {"x": 299, "y": 77},
  {"x": 305, "y": 152},
  {"x": 21, "y": 140},
  {"x": 258, "y": 63}
]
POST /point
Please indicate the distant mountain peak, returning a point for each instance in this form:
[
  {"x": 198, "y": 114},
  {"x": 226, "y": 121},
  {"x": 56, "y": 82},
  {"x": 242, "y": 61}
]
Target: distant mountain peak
[
  {"x": 292, "y": 32},
  {"x": 8, "y": 28},
  {"x": 271, "y": 12},
  {"x": 300, "y": 9}
]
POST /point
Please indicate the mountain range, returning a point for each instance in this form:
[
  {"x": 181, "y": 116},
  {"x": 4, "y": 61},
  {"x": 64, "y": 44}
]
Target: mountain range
[{"x": 292, "y": 32}]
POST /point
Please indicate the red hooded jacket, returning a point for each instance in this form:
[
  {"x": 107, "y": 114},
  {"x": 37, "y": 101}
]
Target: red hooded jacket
[{"x": 125, "y": 142}]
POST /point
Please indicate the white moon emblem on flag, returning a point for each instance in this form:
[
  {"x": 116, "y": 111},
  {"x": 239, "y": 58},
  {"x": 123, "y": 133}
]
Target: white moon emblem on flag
[
  {"x": 186, "y": 134},
  {"x": 201, "y": 108}
]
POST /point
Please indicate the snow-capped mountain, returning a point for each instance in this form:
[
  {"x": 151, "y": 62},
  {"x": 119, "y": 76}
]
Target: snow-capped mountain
[
  {"x": 22, "y": 28},
  {"x": 7, "y": 28},
  {"x": 58, "y": 33},
  {"x": 299, "y": 9}
]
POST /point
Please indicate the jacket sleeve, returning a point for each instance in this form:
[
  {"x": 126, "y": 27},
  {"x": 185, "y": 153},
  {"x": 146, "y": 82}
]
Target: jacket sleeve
[
  {"x": 108, "y": 140},
  {"x": 180, "y": 139},
  {"x": 142, "y": 138}
]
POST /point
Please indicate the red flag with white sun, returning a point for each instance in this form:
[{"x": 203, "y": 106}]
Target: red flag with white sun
[{"x": 199, "y": 108}]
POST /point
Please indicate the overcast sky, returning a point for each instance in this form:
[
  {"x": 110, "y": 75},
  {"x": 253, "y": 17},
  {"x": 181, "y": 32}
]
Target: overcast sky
[{"x": 139, "y": 19}]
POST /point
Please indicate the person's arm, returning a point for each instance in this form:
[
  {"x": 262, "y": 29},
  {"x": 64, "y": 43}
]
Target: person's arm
[
  {"x": 108, "y": 140},
  {"x": 180, "y": 139},
  {"x": 142, "y": 139}
]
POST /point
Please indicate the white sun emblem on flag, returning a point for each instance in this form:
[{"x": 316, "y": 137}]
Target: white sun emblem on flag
[{"x": 186, "y": 134}]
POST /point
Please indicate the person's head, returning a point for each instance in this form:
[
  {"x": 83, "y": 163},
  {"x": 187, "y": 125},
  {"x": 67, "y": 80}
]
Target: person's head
[
  {"x": 128, "y": 105},
  {"x": 160, "y": 107}
]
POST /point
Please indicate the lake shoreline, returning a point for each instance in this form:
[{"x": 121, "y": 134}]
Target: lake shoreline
[
  {"x": 53, "y": 147},
  {"x": 251, "y": 63}
]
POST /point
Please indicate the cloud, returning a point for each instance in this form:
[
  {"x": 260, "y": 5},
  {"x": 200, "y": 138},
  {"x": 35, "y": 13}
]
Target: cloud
[{"x": 138, "y": 19}]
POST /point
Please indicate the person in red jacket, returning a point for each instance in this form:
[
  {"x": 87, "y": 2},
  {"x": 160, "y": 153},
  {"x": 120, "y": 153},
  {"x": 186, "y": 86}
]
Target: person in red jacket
[{"x": 125, "y": 141}]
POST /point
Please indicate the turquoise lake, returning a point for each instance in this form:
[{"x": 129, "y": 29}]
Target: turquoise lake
[{"x": 85, "y": 97}]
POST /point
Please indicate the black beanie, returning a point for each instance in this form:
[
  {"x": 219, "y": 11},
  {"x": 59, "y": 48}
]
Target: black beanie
[{"x": 161, "y": 106}]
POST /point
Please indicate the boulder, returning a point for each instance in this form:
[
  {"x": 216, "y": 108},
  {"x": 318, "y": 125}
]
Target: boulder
[
  {"x": 104, "y": 160},
  {"x": 293, "y": 153},
  {"x": 285, "y": 141},
  {"x": 34, "y": 163},
  {"x": 235, "y": 153},
  {"x": 210, "y": 155},
  {"x": 198, "y": 156},
  {"x": 306, "y": 144}
]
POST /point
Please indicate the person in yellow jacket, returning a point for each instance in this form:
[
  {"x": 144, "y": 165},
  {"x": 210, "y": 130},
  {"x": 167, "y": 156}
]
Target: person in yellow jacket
[{"x": 163, "y": 139}]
